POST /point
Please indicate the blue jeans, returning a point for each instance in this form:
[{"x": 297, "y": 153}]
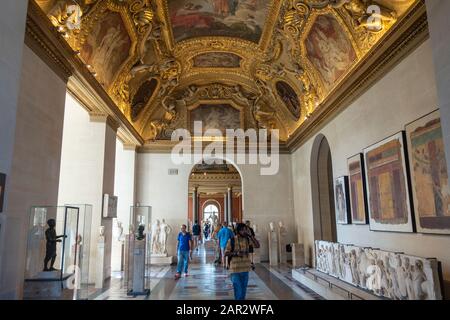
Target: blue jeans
[
  {"x": 183, "y": 261},
  {"x": 240, "y": 282}
]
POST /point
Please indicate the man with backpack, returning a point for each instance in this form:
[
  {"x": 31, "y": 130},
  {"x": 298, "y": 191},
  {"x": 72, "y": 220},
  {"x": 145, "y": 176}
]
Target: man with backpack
[
  {"x": 240, "y": 264},
  {"x": 196, "y": 231}
]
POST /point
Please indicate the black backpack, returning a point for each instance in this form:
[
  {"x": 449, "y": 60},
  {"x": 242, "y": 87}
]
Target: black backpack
[{"x": 196, "y": 229}]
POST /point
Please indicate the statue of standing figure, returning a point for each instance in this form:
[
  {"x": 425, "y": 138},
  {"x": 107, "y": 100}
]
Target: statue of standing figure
[
  {"x": 156, "y": 230},
  {"x": 165, "y": 230}
]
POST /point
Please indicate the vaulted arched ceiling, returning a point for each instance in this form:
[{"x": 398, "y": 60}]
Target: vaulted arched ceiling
[{"x": 254, "y": 63}]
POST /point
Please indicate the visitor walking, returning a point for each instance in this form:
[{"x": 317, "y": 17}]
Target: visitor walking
[
  {"x": 184, "y": 251},
  {"x": 196, "y": 231},
  {"x": 251, "y": 249},
  {"x": 240, "y": 263},
  {"x": 224, "y": 235}
]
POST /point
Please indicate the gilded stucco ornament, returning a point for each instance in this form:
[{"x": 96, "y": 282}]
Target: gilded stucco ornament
[
  {"x": 279, "y": 55},
  {"x": 66, "y": 17}
]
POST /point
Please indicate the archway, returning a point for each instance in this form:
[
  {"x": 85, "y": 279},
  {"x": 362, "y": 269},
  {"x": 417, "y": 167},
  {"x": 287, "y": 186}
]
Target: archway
[
  {"x": 210, "y": 209},
  {"x": 215, "y": 184},
  {"x": 324, "y": 218}
]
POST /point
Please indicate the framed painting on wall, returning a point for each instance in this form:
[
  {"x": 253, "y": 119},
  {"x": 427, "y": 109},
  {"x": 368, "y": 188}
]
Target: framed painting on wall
[
  {"x": 109, "y": 206},
  {"x": 2, "y": 189},
  {"x": 342, "y": 203},
  {"x": 429, "y": 177},
  {"x": 357, "y": 188},
  {"x": 388, "y": 186}
]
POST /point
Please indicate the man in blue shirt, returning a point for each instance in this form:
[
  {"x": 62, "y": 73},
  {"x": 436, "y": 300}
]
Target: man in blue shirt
[
  {"x": 224, "y": 235},
  {"x": 184, "y": 251}
]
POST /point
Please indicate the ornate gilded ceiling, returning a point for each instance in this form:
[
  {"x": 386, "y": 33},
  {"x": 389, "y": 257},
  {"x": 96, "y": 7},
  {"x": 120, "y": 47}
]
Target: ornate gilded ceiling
[{"x": 246, "y": 63}]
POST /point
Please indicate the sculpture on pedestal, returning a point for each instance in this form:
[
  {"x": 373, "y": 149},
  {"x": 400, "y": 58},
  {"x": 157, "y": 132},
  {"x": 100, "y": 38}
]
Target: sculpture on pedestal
[
  {"x": 52, "y": 239},
  {"x": 140, "y": 235},
  {"x": 273, "y": 245},
  {"x": 164, "y": 234},
  {"x": 156, "y": 230},
  {"x": 282, "y": 234}
]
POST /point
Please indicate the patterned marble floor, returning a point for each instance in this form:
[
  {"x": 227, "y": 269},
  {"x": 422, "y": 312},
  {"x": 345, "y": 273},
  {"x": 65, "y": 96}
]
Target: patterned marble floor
[{"x": 209, "y": 282}]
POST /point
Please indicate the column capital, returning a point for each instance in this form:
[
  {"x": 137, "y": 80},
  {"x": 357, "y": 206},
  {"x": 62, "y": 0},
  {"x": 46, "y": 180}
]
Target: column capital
[
  {"x": 129, "y": 146},
  {"x": 104, "y": 118}
]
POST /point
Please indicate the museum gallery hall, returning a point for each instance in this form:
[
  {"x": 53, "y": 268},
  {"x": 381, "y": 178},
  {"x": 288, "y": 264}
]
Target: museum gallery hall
[{"x": 218, "y": 150}]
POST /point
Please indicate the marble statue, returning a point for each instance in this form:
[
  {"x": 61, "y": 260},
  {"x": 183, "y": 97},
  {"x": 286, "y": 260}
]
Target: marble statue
[
  {"x": 101, "y": 233},
  {"x": 273, "y": 245},
  {"x": 163, "y": 235},
  {"x": 215, "y": 220},
  {"x": 156, "y": 230},
  {"x": 387, "y": 274},
  {"x": 282, "y": 242},
  {"x": 119, "y": 231}
]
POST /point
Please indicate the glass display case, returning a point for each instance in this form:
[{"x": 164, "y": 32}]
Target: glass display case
[
  {"x": 83, "y": 249},
  {"x": 56, "y": 242},
  {"x": 137, "y": 272}
]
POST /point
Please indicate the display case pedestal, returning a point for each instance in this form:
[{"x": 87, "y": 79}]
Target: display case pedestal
[
  {"x": 161, "y": 259},
  {"x": 48, "y": 285},
  {"x": 99, "y": 276},
  {"x": 298, "y": 255},
  {"x": 273, "y": 248},
  {"x": 139, "y": 270}
]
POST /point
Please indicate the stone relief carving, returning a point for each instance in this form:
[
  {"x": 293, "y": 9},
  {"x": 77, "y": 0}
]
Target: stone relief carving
[{"x": 391, "y": 275}]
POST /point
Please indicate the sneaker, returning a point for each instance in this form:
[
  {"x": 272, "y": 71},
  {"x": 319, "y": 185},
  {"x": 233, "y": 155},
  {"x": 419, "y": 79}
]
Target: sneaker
[
  {"x": 177, "y": 276},
  {"x": 186, "y": 274}
]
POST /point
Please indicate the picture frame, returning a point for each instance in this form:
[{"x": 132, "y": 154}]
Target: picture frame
[
  {"x": 109, "y": 206},
  {"x": 429, "y": 175},
  {"x": 388, "y": 186},
  {"x": 342, "y": 201},
  {"x": 357, "y": 190}
]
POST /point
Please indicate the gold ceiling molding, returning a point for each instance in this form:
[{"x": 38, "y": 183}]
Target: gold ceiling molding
[
  {"x": 281, "y": 54},
  {"x": 39, "y": 40},
  {"x": 52, "y": 48},
  {"x": 400, "y": 41}
]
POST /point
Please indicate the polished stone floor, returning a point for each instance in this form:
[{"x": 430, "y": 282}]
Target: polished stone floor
[{"x": 209, "y": 282}]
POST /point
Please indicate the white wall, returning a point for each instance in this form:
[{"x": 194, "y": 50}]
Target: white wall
[
  {"x": 37, "y": 152},
  {"x": 124, "y": 190},
  {"x": 405, "y": 94},
  {"x": 87, "y": 171},
  {"x": 266, "y": 198},
  {"x": 12, "y": 31}
]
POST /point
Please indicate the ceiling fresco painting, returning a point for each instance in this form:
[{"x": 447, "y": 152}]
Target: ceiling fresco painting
[
  {"x": 228, "y": 18},
  {"x": 217, "y": 60},
  {"x": 289, "y": 97},
  {"x": 276, "y": 61},
  {"x": 107, "y": 47},
  {"x": 329, "y": 49},
  {"x": 216, "y": 117}
]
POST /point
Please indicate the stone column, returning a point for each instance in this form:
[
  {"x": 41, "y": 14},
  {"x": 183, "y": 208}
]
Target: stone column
[
  {"x": 195, "y": 204},
  {"x": 88, "y": 172},
  {"x": 439, "y": 25},
  {"x": 124, "y": 189},
  {"x": 34, "y": 176},
  {"x": 12, "y": 33},
  {"x": 225, "y": 208},
  {"x": 230, "y": 204}
]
